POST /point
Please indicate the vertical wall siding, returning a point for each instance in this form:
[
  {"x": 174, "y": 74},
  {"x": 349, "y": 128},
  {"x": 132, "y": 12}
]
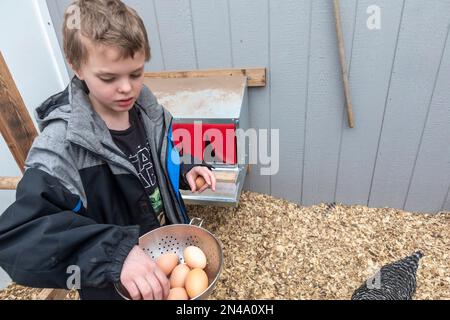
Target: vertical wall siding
[
  {"x": 212, "y": 33},
  {"x": 398, "y": 155},
  {"x": 147, "y": 11},
  {"x": 250, "y": 47},
  {"x": 370, "y": 70},
  {"x": 430, "y": 179},
  {"x": 289, "y": 52},
  {"x": 418, "y": 57},
  {"x": 325, "y": 102}
]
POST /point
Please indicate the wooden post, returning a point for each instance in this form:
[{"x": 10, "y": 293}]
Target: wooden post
[
  {"x": 19, "y": 132},
  {"x": 340, "y": 38},
  {"x": 16, "y": 125}
]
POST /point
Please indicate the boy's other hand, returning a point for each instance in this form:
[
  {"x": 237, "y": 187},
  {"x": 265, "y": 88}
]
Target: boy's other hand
[
  {"x": 143, "y": 278},
  {"x": 201, "y": 171}
]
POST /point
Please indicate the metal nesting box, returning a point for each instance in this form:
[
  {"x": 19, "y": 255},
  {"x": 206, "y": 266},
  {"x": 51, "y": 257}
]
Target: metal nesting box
[{"x": 208, "y": 112}]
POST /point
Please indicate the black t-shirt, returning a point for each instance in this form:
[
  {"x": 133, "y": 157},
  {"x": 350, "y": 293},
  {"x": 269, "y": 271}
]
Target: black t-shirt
[{"x": 134, "y": 144}]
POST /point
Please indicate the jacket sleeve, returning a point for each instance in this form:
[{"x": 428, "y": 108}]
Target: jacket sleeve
[{"x": 44, "y": 234}]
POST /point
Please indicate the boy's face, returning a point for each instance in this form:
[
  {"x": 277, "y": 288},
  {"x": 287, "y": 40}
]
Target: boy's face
[{"x": 114, "y": 83}]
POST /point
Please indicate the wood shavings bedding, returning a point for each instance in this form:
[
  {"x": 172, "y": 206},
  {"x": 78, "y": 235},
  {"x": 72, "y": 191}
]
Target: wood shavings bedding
[{"x": 275, "y": 249}]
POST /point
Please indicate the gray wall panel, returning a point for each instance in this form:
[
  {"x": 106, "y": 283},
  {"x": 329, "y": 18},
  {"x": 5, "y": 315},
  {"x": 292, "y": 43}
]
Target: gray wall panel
[
  {"x": 325, "y": 101},
  {"x": 146, "y": 10},
  {"x": 289, "y": 48},
  {"x": 419, "y": 52},
  {"x": 250, "y": 43},
  {"x": 431, "y": 177},
  {"x": 212, "y": 33},
  {"x": 176, "y": 34},
  {"x": 371, "y": 66},
  {"x": 397, "y": 155}
]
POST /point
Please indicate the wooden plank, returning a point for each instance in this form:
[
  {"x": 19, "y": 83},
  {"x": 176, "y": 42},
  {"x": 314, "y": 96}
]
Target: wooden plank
[
  {"x": 289, "y": 36},
  {"x": 431, "y": 177},
  {"x": 176, "y": 34},
  {"x": 9, "y": 183},
  {"x": 256, "y": 76},
  {"x": 16, "y": 125},
  {"x": 250, "y": 47},
  {"x": 325, "y": 105},
  {"x": 418, "y": 55},
  {"x": 371, "y": 66},
  {"x": 147, "y": 12},
  {"x": 211, "y": 33}
]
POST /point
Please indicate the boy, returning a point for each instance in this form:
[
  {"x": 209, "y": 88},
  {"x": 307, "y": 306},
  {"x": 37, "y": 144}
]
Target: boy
[{"x": 103, "y": 170}]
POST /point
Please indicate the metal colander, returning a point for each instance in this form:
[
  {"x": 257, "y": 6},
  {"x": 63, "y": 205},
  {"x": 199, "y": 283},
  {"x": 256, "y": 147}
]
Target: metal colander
[{"x": 175, "y": 238}]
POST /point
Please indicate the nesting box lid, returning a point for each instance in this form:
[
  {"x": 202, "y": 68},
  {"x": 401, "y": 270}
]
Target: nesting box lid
[{"x": 200, "y": 98}]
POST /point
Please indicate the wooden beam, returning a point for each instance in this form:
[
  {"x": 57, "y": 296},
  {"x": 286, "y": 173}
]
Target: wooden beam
[
  {"x": 9, "y": 183},
  {"x": 16, "y": 125},
  {"x": 19, "y": 132},
  {"x": 256, "y": 76}
]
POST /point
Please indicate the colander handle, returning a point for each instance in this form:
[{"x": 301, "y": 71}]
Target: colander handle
[{"x": 196, "y": 222}]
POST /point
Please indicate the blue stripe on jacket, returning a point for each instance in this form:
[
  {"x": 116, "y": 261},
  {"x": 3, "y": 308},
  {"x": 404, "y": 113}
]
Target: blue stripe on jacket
[
  {"x": 78, "y": 206},
  {"x": 173, "y": 163}
]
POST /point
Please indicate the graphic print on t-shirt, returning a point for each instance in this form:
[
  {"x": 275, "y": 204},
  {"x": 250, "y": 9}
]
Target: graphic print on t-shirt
[
  {"x": 134, "y": 145},
  {"x": 143, "y": 164}
]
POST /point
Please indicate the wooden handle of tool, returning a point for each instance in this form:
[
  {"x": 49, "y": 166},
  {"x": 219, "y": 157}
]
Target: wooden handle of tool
[{"x": 340, "y": 38}]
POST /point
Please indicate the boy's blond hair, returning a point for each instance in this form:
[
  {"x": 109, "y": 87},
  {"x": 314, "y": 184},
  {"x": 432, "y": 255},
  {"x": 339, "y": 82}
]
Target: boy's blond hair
[{"x": 105, "y": 22}]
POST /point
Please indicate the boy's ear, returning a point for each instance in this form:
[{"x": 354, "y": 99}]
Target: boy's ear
[
  {"x": 77, "y": 72},
  {"x": 78, "y": 75}
]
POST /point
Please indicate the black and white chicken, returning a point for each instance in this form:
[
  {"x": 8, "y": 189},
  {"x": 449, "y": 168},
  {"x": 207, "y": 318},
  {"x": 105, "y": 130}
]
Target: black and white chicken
[{"x": 394, "y": 281}]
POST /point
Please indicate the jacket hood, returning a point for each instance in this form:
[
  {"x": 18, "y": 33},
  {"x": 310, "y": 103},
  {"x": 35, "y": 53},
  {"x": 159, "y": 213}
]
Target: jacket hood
[
  {"x": 74, "y": 99},
  {"x": 84, "y": 125},
  {"x": 55, "y": 107}
]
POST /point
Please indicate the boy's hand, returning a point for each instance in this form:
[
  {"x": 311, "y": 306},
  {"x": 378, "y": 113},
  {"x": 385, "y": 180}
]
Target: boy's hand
[
  {"x": 204, "y": 172},
  {"x": 142, "y": 277}
]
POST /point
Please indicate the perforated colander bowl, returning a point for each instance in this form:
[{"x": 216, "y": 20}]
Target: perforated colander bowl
[{"x": 175, "y": 238}]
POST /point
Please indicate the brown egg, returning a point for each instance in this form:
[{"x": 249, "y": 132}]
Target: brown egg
[
  {"x": 194, "y": 257},
  {"x": 167, "y": 262},
  {"x": 196, "y": 282},
  {"x": 177, "y": 294},
  {"x": 178, "y": 276},
  {"x": 199, "y": 182}
]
